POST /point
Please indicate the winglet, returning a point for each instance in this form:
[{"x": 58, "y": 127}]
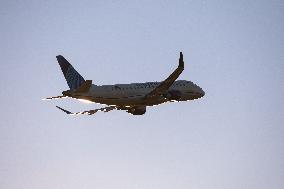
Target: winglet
[
  {"x": 66, "y": 111},
  {"x": 181, "y": 62}
]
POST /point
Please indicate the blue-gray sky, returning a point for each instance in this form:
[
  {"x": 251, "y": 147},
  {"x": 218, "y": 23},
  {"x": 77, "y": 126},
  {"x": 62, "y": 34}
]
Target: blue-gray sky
[{"x": 232, "y": 138}]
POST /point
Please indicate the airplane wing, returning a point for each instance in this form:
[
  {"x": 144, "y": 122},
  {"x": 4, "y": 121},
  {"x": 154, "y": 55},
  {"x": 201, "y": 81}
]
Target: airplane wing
[
  {"x": 88, "y": 112},
  {"x": 165, "y": 85}
]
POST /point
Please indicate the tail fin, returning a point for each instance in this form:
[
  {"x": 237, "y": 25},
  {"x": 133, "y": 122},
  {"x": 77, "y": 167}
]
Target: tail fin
[{"x": 73, "y": 78}]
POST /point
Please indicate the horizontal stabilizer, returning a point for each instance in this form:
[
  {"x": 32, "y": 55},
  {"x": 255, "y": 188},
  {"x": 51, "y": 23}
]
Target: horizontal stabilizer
[{"x": 54, "y": 97}]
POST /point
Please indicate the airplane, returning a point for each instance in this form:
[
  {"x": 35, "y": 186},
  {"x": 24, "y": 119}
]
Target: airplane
[{"x": 132, "y": 98}]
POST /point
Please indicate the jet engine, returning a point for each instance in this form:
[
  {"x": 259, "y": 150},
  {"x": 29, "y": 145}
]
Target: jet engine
[
  {"x": 139, "y": 110},
  {"x": 173, "y": 95}
]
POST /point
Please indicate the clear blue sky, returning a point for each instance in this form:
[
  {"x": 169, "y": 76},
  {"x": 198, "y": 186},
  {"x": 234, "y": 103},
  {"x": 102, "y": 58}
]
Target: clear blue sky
[{"x": 232, "y": 138}]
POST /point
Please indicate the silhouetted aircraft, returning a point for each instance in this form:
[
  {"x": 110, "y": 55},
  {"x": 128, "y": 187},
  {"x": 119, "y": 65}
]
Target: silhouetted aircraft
[{"x": 133, "y": 98}]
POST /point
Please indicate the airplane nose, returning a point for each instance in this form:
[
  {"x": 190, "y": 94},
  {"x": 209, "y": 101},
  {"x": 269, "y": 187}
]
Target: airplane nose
[
  {"x": 198, "y": 91},
  {"x": 202, "y": 93}
]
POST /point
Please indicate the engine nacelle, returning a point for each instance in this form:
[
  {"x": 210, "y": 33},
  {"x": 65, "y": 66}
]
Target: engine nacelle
[
  {"x": 140, "y": 110},
  {"x": 173, "y": 95}
]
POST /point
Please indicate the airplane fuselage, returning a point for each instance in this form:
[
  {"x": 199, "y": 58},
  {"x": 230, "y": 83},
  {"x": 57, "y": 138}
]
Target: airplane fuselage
[
  {"x": 134, "y": 94},
  {"x": 133, "y": 97}
]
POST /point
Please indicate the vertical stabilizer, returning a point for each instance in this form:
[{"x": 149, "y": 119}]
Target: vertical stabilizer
[{"x": 73, "y": 78}]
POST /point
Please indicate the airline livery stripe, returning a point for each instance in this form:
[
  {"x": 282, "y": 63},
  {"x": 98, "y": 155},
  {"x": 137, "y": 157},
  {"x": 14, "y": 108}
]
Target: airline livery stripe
[{"x": 74, "y": 79}]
